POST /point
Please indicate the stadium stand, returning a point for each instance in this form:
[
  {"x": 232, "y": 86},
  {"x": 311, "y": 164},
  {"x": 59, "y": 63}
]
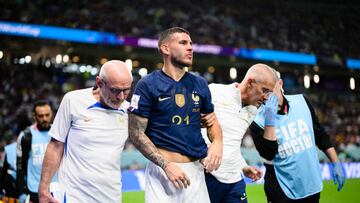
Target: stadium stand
[{"x": 325, "y": 28}]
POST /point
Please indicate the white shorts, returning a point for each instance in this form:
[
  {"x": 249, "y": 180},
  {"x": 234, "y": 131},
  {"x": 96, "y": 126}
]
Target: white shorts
[{"x": 159, "y": 189}]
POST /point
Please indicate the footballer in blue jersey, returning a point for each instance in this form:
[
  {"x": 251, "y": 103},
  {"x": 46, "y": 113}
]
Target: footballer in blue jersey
[
  {"x": 164, "y": 124},
  {"x": 173, "y": 111}
]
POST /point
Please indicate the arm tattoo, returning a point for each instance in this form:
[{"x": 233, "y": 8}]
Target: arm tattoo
[{"x": 137, "y": 126}]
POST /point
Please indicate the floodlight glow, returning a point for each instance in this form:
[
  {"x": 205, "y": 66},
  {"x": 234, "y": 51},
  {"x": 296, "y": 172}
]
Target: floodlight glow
[{"x": 233, "y": 73}]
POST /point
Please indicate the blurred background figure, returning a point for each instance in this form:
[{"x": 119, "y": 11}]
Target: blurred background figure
[
  {"x": 8, "y": 171},
  {"x": 30, "y": 152}
]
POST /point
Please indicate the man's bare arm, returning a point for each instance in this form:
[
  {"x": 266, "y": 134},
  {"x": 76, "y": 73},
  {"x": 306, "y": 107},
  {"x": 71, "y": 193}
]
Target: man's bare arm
[
  {"x": 213, "y": 159},
  {"x": 137, "y": 127},
  {"x": 53, "y": 155}
]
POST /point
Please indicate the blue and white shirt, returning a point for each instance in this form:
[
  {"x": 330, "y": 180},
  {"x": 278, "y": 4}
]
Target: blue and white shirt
[{"x": 94, "y": 137}]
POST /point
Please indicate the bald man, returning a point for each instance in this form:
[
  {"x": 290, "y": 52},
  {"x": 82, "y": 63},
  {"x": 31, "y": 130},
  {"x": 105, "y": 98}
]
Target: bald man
[
  {"x": 287, "y": 136},
  {"x": 88, "y": 136},
  {"x": 235, "y": 108}
]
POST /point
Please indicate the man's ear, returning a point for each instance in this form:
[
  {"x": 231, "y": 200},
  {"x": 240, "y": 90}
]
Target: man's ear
[
  {"x": 249, "y": 82},
  {"x": 281, "y": 83},
  {"x": 164, "y": 49},
  {"x": 98, "y": 81}
]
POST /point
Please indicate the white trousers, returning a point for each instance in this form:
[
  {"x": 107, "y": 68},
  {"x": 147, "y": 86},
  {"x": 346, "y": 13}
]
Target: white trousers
[{"x": 159, "y": 189}]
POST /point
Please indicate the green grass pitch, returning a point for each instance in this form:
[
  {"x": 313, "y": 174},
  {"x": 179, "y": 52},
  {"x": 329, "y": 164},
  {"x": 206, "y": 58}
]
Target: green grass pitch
[{"x": 349, "y": 194}]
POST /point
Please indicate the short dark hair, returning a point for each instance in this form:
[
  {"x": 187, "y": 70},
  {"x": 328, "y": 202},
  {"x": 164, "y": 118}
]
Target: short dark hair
[
  {"x": 164, "y": 35},
  {"x": 40, "y": 103}
]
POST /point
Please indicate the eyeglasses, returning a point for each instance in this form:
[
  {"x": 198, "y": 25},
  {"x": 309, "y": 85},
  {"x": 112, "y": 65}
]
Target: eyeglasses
[
  {"x": 116, "y": 91},
  {"x": 264, "y": 90}
]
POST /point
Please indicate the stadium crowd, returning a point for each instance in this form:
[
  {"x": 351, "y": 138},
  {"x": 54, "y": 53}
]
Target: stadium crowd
[
  {"x": 326, "y": 28},
  {"x": 22, "y": 85}
]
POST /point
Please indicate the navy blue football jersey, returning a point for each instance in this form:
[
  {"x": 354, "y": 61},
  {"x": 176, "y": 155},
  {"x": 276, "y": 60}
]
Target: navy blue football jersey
[{"x": 173, "y": 111}]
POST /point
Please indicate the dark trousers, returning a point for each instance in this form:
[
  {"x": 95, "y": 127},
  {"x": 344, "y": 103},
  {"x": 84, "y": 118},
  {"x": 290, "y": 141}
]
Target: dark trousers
[
  {"x": 225, "y": 193},
  {"x": 9, "y": 187},
  {"x": 275, "y": 194},
  {"x": 34, "y": 197}
]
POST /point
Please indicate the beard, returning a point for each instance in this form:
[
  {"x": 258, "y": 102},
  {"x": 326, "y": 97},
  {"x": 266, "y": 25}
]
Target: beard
[
  {"x": 180, "y": 64},
  {"x": 106, "y": 99},
  {"x": 43, "y": 126},
  {"x": 113, "y": 104}
]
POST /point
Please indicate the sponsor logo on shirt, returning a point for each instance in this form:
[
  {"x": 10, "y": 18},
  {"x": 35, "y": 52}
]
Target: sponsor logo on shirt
[
  {"x": 243, "y": 197},
  {"x": 163, "y": 98}
]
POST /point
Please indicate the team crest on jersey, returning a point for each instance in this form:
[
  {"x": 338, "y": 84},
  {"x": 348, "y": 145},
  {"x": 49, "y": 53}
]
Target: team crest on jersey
[
  {"x": 180, "y": 100},
  {"x": 195, "y": 98},
  {"x": 121, "y": 120}
]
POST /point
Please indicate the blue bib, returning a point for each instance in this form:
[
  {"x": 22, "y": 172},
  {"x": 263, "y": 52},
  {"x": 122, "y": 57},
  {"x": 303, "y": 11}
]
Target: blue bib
[
  {"x": 10, "y": 151},
  {"x": 296, "y": 164},
  {"x": 39, "y": 142}
]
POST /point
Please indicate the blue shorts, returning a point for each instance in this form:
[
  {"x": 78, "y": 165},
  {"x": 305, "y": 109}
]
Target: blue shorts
[{"x": 225, "y": 192}]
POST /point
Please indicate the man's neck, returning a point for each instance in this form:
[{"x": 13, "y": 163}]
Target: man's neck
[
  {"x": 96, "y": 94},
  {"x": 243, "y": 95},
  {"x": 175, "y": 73}
]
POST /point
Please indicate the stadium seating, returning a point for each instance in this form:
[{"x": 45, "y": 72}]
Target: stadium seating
[
  {"x": 323, "y": 27},
  {"x": 353, "y": 152}
]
